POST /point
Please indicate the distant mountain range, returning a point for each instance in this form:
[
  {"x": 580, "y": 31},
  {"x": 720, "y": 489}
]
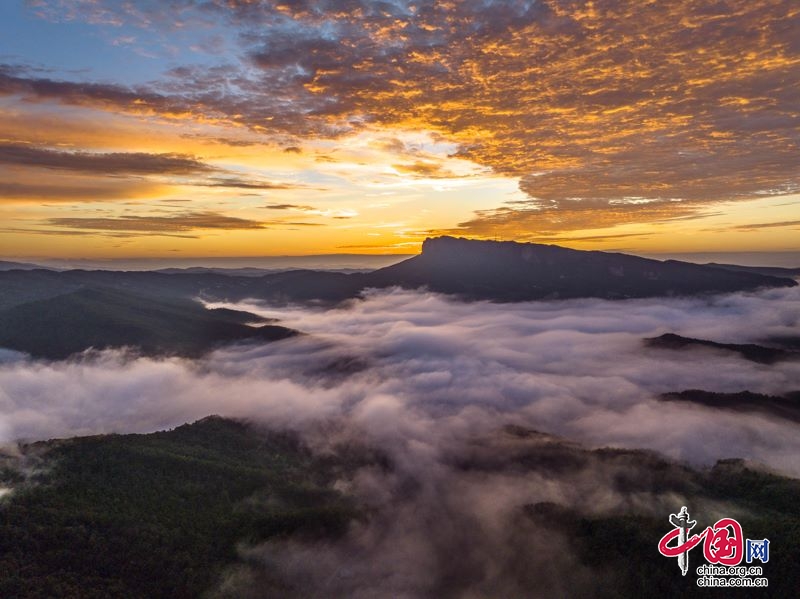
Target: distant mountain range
[
  {"x": 53, "y": 314},
  {"x": 489, "y": 270},
  {"x": 6, "y": 265},
  {"x": 248, "y": 271}
]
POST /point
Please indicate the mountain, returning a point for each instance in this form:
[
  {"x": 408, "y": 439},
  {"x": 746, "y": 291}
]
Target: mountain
[
  {"x": 487, "y": 270},
  {"x": 786, "y": 406},
  {"x": 774, "y": 271},
  {"x": 510, "y": 271},
  {"x": 99, "y": 318},
  {"x": 248, "y": 271},
  {"x": 749, "y": 351},
  {"x": 158, "y": 515},
  {"x": 182, "y": 513},
  {"x": 20, "y": 287},
  {"x": 5, "y": 265}
]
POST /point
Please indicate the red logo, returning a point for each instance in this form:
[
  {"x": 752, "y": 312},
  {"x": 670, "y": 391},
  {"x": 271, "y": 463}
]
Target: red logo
[{"x": 723, "y": 543}]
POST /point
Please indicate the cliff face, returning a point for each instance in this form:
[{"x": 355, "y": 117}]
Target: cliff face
[{"x": 510, "y": 271}]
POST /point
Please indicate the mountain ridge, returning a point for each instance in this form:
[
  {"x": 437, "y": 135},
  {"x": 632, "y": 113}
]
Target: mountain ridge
[
  {"x": 99, "y": 318},
  {"x": 504, "y": 271},
  {"x": 513, "y": 271}
]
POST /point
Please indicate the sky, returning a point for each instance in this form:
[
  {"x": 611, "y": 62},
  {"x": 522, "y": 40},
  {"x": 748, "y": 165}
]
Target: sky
[{"x": 228, "y": 128}]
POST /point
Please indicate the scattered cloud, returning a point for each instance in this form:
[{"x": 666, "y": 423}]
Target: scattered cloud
[
  {"x": 115, "y": 163},
  {"x": 684, "y": 104},
  {"x": 428, "y": 170},
  {"x": 74, "y": 191},
  {"x": 158, "y": 225},
  {"x": 756, "y": 226},
  {"x": 528, "y": 220},
  {"x": 300, "y": 207},
  {"x": 238, "y": 183}
]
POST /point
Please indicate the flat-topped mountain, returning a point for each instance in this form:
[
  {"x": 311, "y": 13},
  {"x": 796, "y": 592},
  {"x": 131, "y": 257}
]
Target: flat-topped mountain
[{"x": 511, "y": 271}]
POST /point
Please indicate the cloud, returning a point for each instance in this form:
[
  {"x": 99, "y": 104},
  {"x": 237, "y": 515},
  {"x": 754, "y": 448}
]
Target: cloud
[
  {"x": 174, "y": 225},
  {"x": 157, "y": 225},
  {"x": 237, "y": 183},
  {"x": 431, "y": 385},
  {"x": 755, "y": 226},
  {"x": 115, "y": 163},
  {"x": 20, "y": 81},
  {"x": 75, "y": 191},
  {"x": 300, "y": 207},
  {"x": 593, "y": 106},
  {"x": 427, "y": 170},
  {"x": 224, "y": 141},
  {"x": 528, "y": 220},
  {"x": 574, "y": 368},
  {"x": 77, "y": 174},
  {"x": 45, "y": 231}
]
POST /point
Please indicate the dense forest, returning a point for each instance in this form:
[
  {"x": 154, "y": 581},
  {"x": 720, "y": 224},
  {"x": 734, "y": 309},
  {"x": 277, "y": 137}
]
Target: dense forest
[
  {"x": 168, "y": 514},
  {"x": 157, "y": 515}
]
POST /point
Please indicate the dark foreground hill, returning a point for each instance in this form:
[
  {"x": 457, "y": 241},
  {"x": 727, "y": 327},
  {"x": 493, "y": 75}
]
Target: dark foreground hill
[
  {"x": 488, "y": 270},
  {"x": 159, "y": 515},
  {"x": 175, "y": 514},
  {"x": 101, "y": 318}
]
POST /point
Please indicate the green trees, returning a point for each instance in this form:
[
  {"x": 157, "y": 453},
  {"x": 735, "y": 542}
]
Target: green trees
[{"x": 159, "y": 515}]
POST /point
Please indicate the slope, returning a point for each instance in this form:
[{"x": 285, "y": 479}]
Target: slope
[{"x": 101, "y": 318}]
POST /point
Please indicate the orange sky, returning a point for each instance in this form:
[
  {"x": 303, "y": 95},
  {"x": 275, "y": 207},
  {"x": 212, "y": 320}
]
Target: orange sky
[{"x": 267, "y": 128}]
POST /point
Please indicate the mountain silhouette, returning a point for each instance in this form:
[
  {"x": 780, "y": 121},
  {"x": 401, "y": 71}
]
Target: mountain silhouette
[
  {"x": 486, "y": 270},
  {"x": 511, "y": 271}
]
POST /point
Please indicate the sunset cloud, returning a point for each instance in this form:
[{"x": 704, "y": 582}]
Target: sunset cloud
[
  {"x": 155, "y": 225},
  {"x": 115, "y": 163},
  {"x": 607, "y": 114},
  {"x": 302, "y": 208},
  {"x": 86, "y": 191}
]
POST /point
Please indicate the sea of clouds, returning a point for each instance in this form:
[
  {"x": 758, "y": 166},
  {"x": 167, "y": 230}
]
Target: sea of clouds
[
  {"x": 403, "y": 365},
  {"x": 432, "y": 382}
]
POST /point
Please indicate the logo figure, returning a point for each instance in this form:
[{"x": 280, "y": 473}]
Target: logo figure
[
  {"x": 723, "y": 542},
  {"x": 684, "y": 525},
  {"x": 757, "y": 550}
]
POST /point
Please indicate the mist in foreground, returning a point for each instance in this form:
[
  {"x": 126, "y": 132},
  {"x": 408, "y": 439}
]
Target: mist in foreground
[{"x": 473, "y": 421}]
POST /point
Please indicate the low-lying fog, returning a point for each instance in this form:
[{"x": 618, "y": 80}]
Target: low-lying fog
[
  {"x": 431, "y": 382},
  {"x": 413, "y": 369}
]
